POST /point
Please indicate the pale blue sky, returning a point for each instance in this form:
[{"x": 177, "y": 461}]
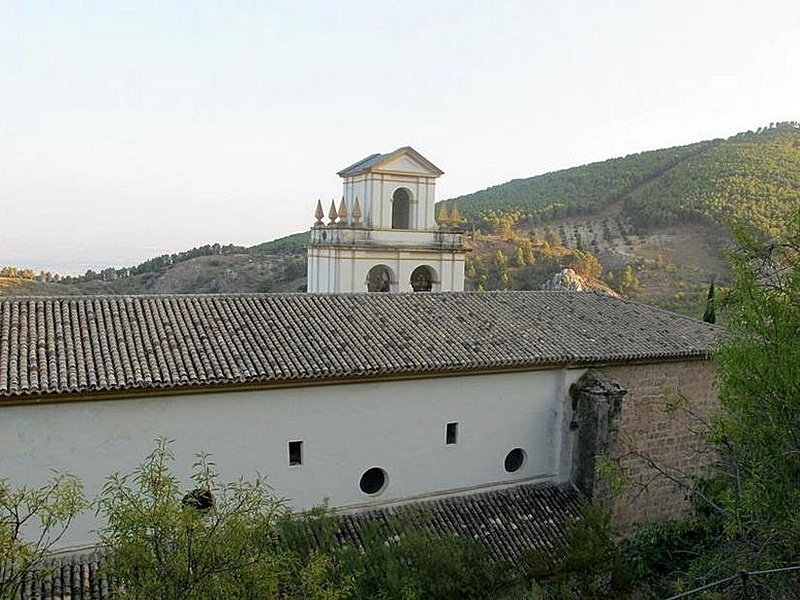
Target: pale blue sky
[{"x": 131, "y": 129}]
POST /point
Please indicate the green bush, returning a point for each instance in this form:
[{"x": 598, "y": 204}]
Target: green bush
[
  {"x": 592, "y": 565},
  {"x": 216, "y": 542},
  {"x": 32, "y": 521}
]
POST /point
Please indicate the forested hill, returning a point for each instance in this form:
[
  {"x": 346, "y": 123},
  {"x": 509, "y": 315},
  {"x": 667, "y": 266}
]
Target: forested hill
[
  {"x": 753, "y": 177},
  {"x": 650, "y": 226}
]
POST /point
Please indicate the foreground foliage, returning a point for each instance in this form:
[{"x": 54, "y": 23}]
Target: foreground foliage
[
  {"x": 591, "y": 565},
  {"x": 216, "y": 542},
  {"x": 399, "y": 559},
  {"x": 239, "y": 541},
  {"x": 757, "y": 487},
  {"x": 32, "y": 521}
]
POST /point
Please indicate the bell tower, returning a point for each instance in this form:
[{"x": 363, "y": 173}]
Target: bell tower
[{"x": 384, "y": 236}]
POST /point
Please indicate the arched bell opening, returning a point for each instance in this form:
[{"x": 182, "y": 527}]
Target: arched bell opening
[
  {"x": 401, "y": 209},
  {"x": 380, "y": 279},
  {"x": 423, "y": 279}
]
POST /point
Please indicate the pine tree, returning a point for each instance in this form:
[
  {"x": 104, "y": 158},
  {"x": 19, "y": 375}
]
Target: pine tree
[{"x": 710, "y": 316}]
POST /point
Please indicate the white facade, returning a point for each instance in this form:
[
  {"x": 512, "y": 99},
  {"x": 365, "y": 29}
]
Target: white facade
[
  {"x": 398, "y": 426},
  {"x": 385, "y": 227},
  {"x": 346, "y": 268}
]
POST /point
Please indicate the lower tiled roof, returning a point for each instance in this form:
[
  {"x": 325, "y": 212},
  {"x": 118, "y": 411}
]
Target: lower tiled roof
[
  {"x": 69, "y": 577},
  {"x": 136, "y": 344},
  {"x": 508, "y": 521}
]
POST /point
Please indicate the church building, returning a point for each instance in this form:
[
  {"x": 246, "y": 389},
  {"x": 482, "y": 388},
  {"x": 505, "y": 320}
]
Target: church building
[{"x": 494, "y": 402}]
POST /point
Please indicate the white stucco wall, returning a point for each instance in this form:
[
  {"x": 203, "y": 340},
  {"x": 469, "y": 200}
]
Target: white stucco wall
[
  {"x": 375, "y": 191},
  {"x": 344, "y": 269},
  {"x": 345, "y": 429}
]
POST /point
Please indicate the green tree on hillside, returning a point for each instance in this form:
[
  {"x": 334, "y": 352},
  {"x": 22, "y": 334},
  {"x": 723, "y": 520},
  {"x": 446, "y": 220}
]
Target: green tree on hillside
[
  {"x": 500, "y": 274},
  {"x": 710, "y": 314},
  {"x": 627, "y": 282},
  {"x": 519, "y": 257},
  {"x": 584, "y": 264}
]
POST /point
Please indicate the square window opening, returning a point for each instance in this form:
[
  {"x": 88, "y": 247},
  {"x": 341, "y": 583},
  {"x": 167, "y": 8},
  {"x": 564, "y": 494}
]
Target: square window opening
[
  {"x": 451, "y": 435},
  {"x": 295, "y": 453}
]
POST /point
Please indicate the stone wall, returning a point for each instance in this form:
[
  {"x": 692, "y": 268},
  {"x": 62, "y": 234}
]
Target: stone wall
[{"x": 664, "y": 410}]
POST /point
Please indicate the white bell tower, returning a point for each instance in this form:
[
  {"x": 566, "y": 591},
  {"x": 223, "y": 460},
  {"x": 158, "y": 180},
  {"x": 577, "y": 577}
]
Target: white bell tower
[{"x": 384, "y": 236}]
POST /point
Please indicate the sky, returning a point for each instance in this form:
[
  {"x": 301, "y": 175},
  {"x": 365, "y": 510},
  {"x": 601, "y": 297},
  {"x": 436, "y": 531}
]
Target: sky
[{"x": 130, "y": 129}]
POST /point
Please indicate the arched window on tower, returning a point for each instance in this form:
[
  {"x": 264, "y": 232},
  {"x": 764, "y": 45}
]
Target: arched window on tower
[
  {"x": 422, "y": 279},
  {"x": 400, "y": 208},
  {"x": 379, "y": 279}
]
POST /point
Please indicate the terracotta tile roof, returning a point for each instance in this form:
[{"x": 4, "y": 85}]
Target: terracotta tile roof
[
  {"x": 84, "y": 345},
  {"x": 507, "y": 521}
]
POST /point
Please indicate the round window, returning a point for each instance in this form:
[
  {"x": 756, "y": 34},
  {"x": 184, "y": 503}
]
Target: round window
[
  {"x": 373, "y": 480},
  {"x": 514, "y": 460}
]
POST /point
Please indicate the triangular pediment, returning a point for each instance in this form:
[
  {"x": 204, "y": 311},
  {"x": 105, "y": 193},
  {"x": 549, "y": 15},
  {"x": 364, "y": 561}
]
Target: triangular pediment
[{"x": 403, "y": 161}]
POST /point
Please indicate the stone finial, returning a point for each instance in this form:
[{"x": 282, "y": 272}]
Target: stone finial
[
  {"x": 356, "y": 212},
  {"x": 455, "y": 218},
  {"x": 332, "y": 214},
  {"x": 342, "y": 211},
  {"x": 319, "y": 214},
  {"x": 443, "y": 217}
]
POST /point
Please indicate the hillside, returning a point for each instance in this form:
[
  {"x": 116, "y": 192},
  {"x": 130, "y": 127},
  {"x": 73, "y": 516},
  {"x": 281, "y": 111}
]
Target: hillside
[
  {"x": 651, "y": 225},
  {"x": 242, "y": 270},
  {"x": 657, "y": 221},
  {"x": 752, "y": 177}
]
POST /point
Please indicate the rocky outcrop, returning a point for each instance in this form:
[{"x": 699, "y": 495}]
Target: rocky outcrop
[{"x": 566, "y": 280}]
